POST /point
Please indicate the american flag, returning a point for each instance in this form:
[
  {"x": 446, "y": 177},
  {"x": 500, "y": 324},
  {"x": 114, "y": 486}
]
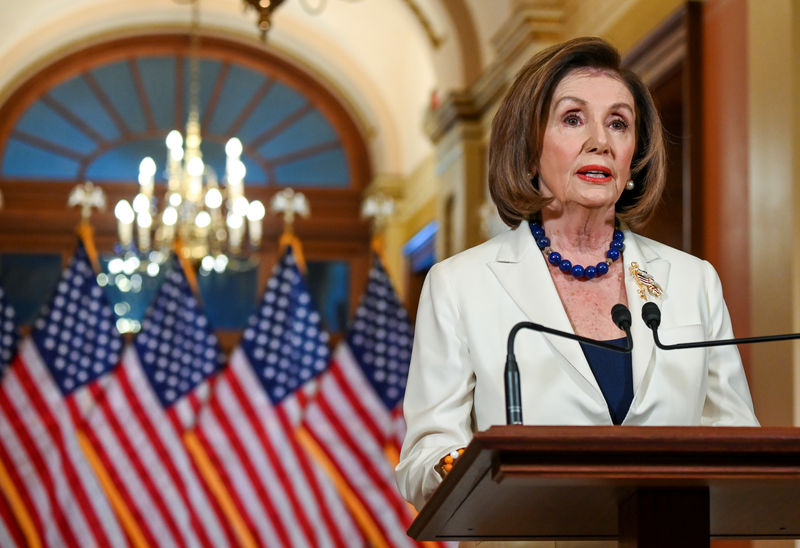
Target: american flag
[
  {"x": 353, "y": 417},
  {"x": 60, "y": 497},
  {"x": 155, "y": 490},
  {"x": 9, "y": 336},
  {"x": 249, "y": 423},
  {"x": 11, "y": 534},
  {"x": 178, "y": 352}
]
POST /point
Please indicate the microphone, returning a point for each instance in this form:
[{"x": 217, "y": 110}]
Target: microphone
[
  {"x": 651, "y": 315},
  {"x": 619, "y": 314}
]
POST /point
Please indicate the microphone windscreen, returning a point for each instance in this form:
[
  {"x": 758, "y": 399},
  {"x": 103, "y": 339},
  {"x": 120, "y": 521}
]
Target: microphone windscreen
[
  {"x": 651, "y": 315},
  {"x": 621, "y": 316}
]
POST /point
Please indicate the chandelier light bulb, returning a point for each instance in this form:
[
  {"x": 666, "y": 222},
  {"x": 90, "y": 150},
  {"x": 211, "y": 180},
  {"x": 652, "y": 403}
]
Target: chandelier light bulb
[
  {"x": 220, "y": 263},
  {"x": 124, "y": 212},
  {"x": 144, "y": 219},
  {"x": 255, "y": 211},
  {"x": 115, "y": 265},
  {"x": 141, "y": 204},
  {"x": 170, "y": 216},
  {"x": 236, "y": 171},
  {"x": 147, "y": 168},
  {"x": 153, "y": 269},
  {"x": 174, "y": 199},
  {"x": 213, "y": 198},
  {"x": 207, "y": 263},
  {"x": 131, "y": 265},
  {"x": 174, "y": 140},
  {"x": 234, "y": 221},
  {"x": 195, "y": 167},
  {"x": 203, "y": 219},
  {"x": 233, "y": 148},
  {"x": 240, "y": 206}
]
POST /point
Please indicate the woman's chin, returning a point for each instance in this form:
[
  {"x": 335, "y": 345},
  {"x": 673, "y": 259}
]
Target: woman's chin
[{"x": 597, "y": 199}]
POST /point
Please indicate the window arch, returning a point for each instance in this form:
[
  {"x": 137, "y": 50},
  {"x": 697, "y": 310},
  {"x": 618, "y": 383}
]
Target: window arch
[{"x": 94, "y": 113}]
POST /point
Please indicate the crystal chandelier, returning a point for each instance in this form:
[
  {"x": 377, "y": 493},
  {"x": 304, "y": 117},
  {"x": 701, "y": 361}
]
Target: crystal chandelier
[{"x": 205, "y": 221}]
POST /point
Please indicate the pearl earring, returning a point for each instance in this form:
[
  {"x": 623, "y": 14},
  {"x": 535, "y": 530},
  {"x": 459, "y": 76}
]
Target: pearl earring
[{"x": 629, "y": 185}]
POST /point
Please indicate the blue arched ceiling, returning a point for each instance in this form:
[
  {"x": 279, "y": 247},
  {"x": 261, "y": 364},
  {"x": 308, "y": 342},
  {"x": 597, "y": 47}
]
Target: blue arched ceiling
[{"x": 100, "y": 123}]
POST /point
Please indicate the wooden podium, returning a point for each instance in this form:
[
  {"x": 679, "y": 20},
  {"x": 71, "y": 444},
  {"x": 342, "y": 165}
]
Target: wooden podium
[{"x": 646, "y": 486}]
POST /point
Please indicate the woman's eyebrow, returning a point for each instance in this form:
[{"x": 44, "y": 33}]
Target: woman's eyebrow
[
  {"x": 570, "y": 98},
  {"x": 615, "y": 106}
]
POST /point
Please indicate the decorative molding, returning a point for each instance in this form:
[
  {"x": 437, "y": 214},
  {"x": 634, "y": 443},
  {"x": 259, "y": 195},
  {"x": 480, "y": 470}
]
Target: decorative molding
[
  {"x": 425, "y": 23},
  {"x": 390, "y": 185},
  {"x": 534, "y": 24},
  {"x": 658, "y": 54},
  {"x": 469, "y": 105}
]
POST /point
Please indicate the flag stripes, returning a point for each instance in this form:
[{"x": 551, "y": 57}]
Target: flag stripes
[
  {"x": 179, "y": 353},
  {"x": 336, "y": 420},
  {"x": 113, "y": 432},
  {"x": 250, "y": 419},
  {"x": 163, "y": 443},
  {"x": 39, "y": 441}
]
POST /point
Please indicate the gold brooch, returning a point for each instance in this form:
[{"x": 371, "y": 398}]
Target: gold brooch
[{"x": 645, "y": 282}]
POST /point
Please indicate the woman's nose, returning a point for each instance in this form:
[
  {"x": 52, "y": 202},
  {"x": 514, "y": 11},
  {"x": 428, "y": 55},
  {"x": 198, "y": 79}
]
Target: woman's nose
[{"x": 597, "y": 139}]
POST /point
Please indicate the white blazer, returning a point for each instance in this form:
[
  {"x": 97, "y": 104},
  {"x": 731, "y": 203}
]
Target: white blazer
[{"x": 470, "y": 302}]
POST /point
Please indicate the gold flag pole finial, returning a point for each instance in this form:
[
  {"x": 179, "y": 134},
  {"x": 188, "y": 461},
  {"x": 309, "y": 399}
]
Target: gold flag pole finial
[
  {"x": 291, "y": 203},
  {"x": 87, "y": 196}
]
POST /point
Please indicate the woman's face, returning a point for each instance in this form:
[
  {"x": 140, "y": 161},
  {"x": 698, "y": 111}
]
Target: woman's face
[{"x": 589, "y": 141}]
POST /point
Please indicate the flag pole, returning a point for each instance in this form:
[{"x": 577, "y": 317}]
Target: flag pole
[
  {"x": 89, "y": 196},
  {"x": 19, "y": 509},
  {"x": 217, "y": 486},
  {"x": 195, "y": 448},
  {"x": 290, "y": 203}
]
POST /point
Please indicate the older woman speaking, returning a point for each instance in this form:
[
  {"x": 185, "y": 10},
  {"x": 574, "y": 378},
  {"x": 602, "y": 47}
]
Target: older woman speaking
[{"x": 576, "y": 162}]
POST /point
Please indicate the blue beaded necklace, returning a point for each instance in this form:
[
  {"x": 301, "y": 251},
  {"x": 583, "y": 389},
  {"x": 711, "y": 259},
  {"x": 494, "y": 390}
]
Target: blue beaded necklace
[{"x": 565, "y": 265}]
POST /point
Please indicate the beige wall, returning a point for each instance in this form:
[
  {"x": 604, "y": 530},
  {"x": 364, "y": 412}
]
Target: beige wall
[{"x": 773, "y": 138}]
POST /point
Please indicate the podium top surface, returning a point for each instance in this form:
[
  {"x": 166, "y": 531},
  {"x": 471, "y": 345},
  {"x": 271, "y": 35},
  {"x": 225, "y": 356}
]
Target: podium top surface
[{"x": 566, "y": 482}]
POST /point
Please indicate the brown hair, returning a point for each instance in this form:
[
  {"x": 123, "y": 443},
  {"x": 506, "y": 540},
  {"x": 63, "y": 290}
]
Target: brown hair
[{"x": 519, "y": 125}]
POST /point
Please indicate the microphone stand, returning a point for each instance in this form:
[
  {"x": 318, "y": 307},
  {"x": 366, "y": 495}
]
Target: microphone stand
[
  {"x": 622, "y": 319},
  {"x": 652, "y": 319}
]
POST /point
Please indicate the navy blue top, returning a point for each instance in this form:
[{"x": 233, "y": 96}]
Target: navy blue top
[{"x": 614, "y": 374}]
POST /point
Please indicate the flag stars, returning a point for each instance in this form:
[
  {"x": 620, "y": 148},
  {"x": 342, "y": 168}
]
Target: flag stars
[
  {"x": 380, "y": 337},
  {"x": 287, "y": 337},
  {"x": 8, "y": 331},
  {"x": 177, "y": 343}
]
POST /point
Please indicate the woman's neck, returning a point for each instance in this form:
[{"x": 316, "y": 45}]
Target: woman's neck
[{"x": 583, "y": 230}]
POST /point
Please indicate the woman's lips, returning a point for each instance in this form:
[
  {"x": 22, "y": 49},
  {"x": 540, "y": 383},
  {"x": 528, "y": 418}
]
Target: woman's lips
[{"x": 594, "y": 174}]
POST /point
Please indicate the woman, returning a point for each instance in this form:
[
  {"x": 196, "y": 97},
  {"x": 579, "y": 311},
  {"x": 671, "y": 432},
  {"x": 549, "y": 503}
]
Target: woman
[{"x": 576, "y": 161}]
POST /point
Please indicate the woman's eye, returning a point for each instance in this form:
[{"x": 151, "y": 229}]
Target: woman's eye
[
  {"x": 619, "y": 125},
  {"x": 572, "y": 120}
]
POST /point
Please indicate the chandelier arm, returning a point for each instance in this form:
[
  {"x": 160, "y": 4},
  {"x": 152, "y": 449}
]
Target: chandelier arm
[{"x": 313, "y": 10}]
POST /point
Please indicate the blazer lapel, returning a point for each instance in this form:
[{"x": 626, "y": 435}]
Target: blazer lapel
[
  {"x": 638, "y": 253},
  {"x": 522, "y": 271}
]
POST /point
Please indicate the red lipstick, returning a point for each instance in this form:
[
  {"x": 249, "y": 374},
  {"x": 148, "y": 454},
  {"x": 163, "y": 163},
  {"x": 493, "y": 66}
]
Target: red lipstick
[{"x": 595, "y": 173}]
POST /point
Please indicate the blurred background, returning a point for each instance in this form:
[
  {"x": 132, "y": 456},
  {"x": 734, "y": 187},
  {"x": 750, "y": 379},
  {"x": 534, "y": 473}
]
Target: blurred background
[{"x": 346, "y": 99}]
